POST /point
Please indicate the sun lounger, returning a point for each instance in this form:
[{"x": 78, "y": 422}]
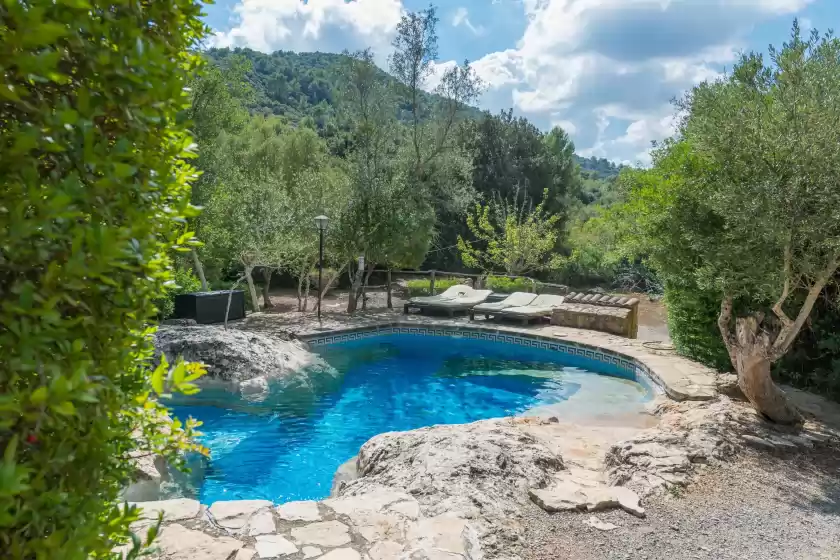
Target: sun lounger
[
  {"x": 463, "y": 303},
  {"x": 450, "y": 293},
  {"x": 542, "y": 306},
  {"x": 516, "y": 299}
]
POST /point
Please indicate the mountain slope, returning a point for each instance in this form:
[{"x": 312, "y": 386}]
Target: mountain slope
[{"x": 299, "y": 85}]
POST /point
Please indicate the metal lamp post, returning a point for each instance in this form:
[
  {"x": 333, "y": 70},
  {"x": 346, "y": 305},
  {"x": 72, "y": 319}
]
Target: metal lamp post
[{"x": 321, "y": 224}]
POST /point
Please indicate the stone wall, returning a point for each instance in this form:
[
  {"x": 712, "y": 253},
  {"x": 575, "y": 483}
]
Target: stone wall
[{"x": 613, "y": 320}]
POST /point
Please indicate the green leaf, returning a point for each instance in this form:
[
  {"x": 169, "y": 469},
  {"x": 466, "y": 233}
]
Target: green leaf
[
  {"x": 11, "y": 449},
  {"x": 38, "y": 396},
  {"x": 158, "y": 376},
  {"x": 65, "y": 407},
  {"x": 178, "y": 373}
]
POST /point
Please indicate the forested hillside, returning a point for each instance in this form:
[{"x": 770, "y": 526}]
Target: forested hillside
[
  {"x": 509, "y": 154},
  {"x": 299, "y": 85}
]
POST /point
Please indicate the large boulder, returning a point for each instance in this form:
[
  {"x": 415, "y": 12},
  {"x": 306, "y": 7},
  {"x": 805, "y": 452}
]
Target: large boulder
[
  {"x": 252, "y": 365},
  {"x": 479, "y": 472}
]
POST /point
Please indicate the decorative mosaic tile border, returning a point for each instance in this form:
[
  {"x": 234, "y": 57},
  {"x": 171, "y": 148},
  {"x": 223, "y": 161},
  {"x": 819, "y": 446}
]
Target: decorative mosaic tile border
[{"x": 631, "y": 367}]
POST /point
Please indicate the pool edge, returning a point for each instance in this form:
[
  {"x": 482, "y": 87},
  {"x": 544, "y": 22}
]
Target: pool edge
[{"x": 511, "y": 335}]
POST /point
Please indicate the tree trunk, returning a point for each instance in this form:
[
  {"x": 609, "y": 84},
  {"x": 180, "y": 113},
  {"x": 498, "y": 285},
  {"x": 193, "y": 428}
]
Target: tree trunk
[
  {"x": 329, "y": 282},
  {"x": 388, "y": 288},
  {"x": 308, "y": 284},
  {"x": 252, "y": 289},
  {"x": 353, "y": 299},
  {"x": 750, "y": 356},
  {"x": 266, "y": 285},
  {"x": 364, "y": 286},
  {"x": 199, "y": 270},
  {"x": 301, "y": 277}
]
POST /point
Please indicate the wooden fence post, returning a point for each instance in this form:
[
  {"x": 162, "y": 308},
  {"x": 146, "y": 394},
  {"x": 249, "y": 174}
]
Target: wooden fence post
[
  {"x": 388, "y": 282},
  {"x": 432, "y": 284}
]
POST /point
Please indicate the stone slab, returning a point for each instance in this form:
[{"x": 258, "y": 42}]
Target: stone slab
[
  {"x": 179, "y": 543},
  {"x": 273, "y": 546},
  {"x": 311, "y": 551},
  {"x": 234, "y": 514},
  {"x": 299, "y": 511},
  {"x": 325, "y": 533},
  {"x": 178, "y": 509},
  {"x": 342, "y": 554},
  {"x": 261, "y": 523}
]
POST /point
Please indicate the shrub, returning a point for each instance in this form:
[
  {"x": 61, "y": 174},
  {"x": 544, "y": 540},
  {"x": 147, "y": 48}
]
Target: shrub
[
  {"x": 504, "y": 285},
  {"x": 813, "y": 363},
  {"x": 421, "y": 287},
  {"x": 93, "y": 194},
  {"x": 184, "y": 282},
  {"x": 692, "y": 323}
]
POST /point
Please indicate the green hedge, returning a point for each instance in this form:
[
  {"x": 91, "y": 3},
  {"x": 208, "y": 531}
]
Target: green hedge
[
  {"x": 813, "y": 362},
  {"x": 422, "y": 287},
  {"x": 692, "y": 323},
  {"x": 93, "y": 196},
  {"x": 504, "y": 285}
]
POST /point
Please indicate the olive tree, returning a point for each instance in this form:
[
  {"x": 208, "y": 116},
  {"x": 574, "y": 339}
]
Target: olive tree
[{"x": 766, "y": 139}]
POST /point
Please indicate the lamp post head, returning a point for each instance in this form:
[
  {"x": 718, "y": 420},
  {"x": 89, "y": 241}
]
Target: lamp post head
[{"x": 321, "y": 222}]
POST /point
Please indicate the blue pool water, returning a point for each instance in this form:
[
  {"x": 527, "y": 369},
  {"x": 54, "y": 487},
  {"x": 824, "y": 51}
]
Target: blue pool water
[{"x": 289, "y": 449}]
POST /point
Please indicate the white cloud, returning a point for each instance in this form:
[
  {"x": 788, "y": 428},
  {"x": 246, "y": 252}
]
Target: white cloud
[
  {"x": 327, "y": 25},
  {"x": 568, "y": 126},
  {"x": 438, "y": 70},
  {"x": 461, "y": 18},
  {"x": 604, "y": 70},
  {"x": 612, "y": 66}
]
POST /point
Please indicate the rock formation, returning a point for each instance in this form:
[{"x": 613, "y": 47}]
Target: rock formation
[{"x": 251, "y": 365}]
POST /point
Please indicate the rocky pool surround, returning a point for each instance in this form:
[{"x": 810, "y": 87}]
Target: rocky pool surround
[{"x": 459, "y": 491}]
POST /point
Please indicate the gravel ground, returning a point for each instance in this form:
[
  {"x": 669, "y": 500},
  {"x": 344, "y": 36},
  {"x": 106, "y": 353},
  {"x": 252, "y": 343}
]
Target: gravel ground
[{"x": 760, "y": 507}]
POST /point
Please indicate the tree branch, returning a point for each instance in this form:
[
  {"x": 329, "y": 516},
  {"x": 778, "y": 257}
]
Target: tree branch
[
  {"x": 789, "y": 332},
  {"x": 787, "y": 323}
]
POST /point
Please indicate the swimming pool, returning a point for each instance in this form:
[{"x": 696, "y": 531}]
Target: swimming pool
[{"x": 290, "y": 449}]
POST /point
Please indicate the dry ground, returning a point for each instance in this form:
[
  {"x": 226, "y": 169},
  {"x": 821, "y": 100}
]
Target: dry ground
[{"x": 760, "y": 507}]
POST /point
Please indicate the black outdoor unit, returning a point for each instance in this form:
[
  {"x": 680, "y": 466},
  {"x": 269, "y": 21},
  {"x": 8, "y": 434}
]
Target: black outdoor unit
[{"x": 209, "y": 307}]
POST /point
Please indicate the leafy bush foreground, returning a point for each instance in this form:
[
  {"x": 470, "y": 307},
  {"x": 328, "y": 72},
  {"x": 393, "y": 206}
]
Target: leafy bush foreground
[{"x": 94, "y": 195}]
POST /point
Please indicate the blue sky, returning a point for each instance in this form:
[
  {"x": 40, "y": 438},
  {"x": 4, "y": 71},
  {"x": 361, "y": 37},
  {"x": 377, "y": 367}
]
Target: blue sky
[{"x": 604, "y": 70}]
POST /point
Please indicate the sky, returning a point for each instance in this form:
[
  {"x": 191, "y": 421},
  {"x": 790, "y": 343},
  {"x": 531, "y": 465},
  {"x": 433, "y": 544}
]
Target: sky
[{"x": 604, "y": 70}]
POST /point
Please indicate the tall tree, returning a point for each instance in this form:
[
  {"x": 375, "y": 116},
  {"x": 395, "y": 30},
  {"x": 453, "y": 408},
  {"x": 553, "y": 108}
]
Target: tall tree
[
  {"x": 413, "y": 64},
  {"x": 510, "y": 155},
  {"x": 749, "y": 201},
  {"x": 218, "y": 94},
  {"x": 381, "y": 208},
  {"x": 434, "y": 163}
]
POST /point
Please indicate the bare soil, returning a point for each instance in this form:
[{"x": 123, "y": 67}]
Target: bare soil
[{"x": 761, "y": 507}]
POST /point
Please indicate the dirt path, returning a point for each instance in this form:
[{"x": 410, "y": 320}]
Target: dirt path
[{"x": 758, "y": 508}]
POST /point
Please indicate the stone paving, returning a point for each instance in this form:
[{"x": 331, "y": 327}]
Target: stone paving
[
  {"x": 680, "y": 378},
  {"x": 381, "y": 525}
]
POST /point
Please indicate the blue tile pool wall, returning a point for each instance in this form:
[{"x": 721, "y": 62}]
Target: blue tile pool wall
[{"x": 594, "y": 359}]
